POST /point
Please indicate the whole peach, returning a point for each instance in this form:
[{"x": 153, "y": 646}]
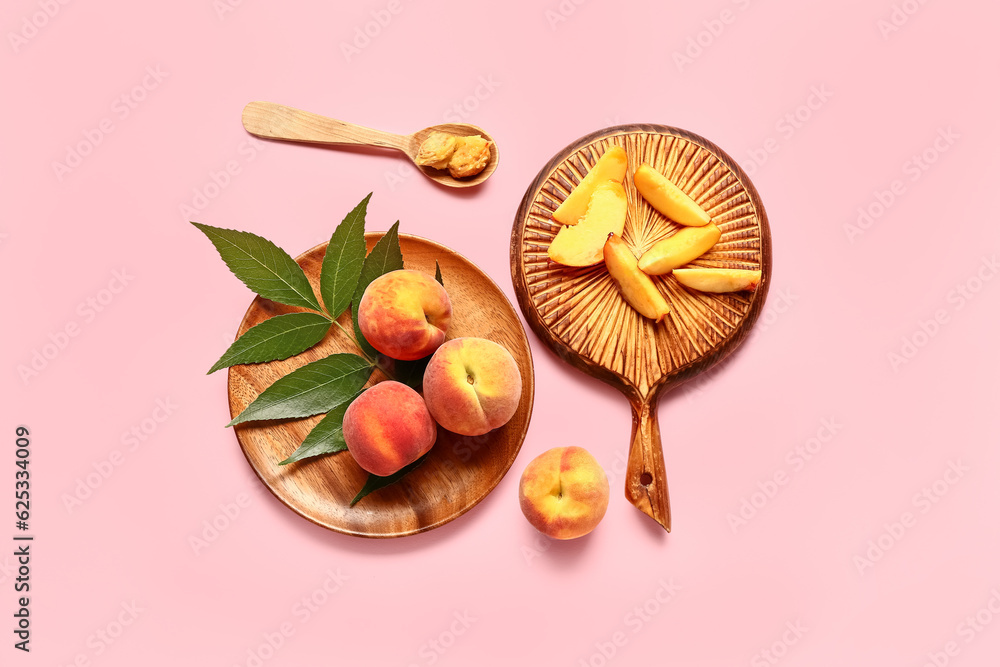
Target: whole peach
[
  {"x": 404, "y": 314},
  {"x": 564, "y": 492},
  {"x": 472, "y": 386},
  {"x": 388, "y": 427}
]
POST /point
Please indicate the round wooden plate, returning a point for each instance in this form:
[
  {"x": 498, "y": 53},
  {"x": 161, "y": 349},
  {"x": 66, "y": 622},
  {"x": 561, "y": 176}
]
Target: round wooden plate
[
  {"x": 580, "y": 315},
  {"x": 457, "y": 473}
]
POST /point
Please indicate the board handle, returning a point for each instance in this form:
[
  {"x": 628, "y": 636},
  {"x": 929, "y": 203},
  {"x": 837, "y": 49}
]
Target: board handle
[
  {"x": 276, "y": 121},
  {"x": 646, "y": 477}
]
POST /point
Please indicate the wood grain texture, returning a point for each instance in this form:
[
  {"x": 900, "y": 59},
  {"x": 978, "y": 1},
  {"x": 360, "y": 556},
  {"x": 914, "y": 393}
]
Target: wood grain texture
[
  {"x": 458, "y": 472},
  {"x": 580, "y": 315},
  {"x": 276, "y": 121}
]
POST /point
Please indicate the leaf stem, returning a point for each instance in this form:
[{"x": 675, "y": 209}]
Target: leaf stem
[
  {"x": 364, "y": 354},
  {"x": 374, "y": 362}
]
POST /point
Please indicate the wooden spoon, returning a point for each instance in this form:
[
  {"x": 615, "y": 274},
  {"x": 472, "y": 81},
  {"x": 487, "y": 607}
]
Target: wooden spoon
[
  {"x": 580, "y": 315},
  {"x": 274, "y": 121}
]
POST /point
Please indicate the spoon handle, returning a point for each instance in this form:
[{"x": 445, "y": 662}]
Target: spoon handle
[
  {"x": 646, "y": 476},
  {"x": 275, "y": 121}
]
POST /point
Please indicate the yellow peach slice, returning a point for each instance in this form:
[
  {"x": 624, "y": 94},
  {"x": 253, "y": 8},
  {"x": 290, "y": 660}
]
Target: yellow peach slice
[
  {"x": 718, "y": 280},
  {"x": 685, "y": 246},
  {"x": 610, "y": 167},
  {"x": 583, "y": 243},
  {"x": 635, "y": 286},
  {"x": 667, "y": 198}
]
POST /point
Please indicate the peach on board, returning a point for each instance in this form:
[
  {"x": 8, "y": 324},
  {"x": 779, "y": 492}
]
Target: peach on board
[
  {"x": 388, "y": 427},
  {"x": 609, "y": 167},
  {"x": 583, "y": 243},
  {"x": 667, "y": 198},
  {"x": 404, "y": 314},
  {"x": 636, "y": 287},
  {"x": 718, "y": 280},
  {"x": 564, "y": 492},
  {"x": 472, "y": 386},
  {"x": 687, "y": 245}
]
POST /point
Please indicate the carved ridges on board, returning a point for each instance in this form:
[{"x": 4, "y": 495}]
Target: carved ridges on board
[{"x": 582, "y": 307}]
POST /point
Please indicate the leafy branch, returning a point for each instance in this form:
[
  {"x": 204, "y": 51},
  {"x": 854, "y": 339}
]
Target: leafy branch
[{"x": 329, "y": 384}]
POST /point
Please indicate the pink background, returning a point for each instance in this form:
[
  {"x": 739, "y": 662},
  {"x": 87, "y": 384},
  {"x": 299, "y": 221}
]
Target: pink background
[{"x": 486, "y": 589}]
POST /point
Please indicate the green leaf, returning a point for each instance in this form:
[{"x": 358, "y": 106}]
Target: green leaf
[
  {"x": 262, "y": 266},
  {"x": 316, "y": 387},
  {"x": 327, "y": 437},
  {"x": 345, "y": 255},
  {"x": 276, "y": 338},
  {"x": 437, "y": 273},
  {"x": 386, "y": 256},
  {"x": 374, "y": 482}
]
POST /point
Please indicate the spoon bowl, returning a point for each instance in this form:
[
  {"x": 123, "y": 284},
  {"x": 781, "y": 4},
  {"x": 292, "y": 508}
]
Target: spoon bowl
[
  {"x": 441, "y": 175},
  {"x": 275, "y": 121}
]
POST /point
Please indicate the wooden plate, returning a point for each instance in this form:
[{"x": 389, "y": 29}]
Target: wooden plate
[
  {"x": 458, "y": 472},
  {"x": 580, "y": 315}
]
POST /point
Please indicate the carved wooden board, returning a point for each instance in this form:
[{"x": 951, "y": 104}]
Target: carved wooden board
[
  {"x": 580, "y": 315},
  {"x": 458, "y": 472}
]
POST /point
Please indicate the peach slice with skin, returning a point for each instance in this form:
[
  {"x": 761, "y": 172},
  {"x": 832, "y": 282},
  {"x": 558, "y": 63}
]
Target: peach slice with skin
[
  {"x": 718, "y": 280},
  {"x": 583, "y": 243},
  {"x": 635, "y": 286},
  {"x": 668, "y": 199},
  {"x": 610, "y": 167},
  {"x": 564, "y": 492},
  {"x": 685, "y": 246}
]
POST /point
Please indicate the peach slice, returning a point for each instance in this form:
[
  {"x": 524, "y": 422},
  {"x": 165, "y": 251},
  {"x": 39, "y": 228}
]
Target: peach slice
[
  {"x": 583, "y": 243},
  {"x": 718, "y": 280},
  {"x": 635, "y": 286},
  {"x": 685, "y": 246},
  {"x": 610, "y": 167},
  {"x": 668, "y": 199}
]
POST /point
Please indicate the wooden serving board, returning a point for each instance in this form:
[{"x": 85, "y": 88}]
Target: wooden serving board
[
  {"x": 580, "y": 315},
  {"x": 458, "y": 472}
]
